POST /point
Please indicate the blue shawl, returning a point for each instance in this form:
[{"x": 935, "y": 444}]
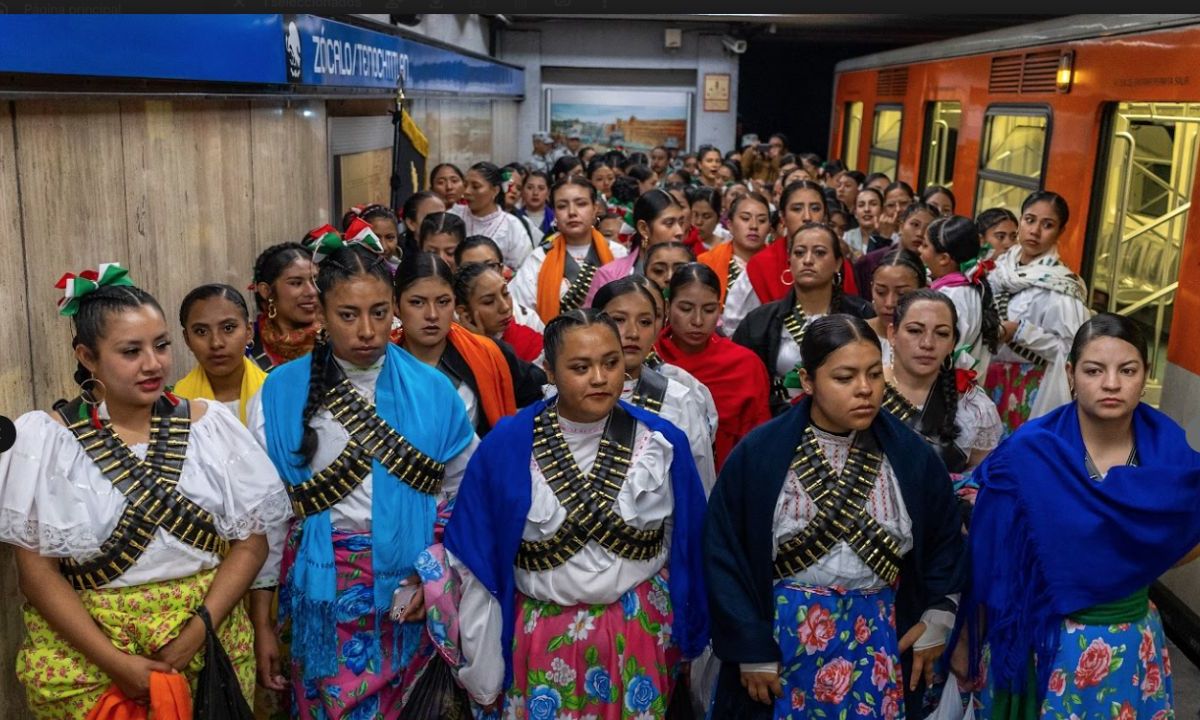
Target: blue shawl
[
  {"x": 422, "y": 405},
  {"x": 1047, "y": 541},
  {"x": 493, "y": 503}
]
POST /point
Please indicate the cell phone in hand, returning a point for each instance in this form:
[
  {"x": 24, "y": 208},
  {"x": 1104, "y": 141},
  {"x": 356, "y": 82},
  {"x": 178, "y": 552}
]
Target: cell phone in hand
[{"x": 401, "y": 599}]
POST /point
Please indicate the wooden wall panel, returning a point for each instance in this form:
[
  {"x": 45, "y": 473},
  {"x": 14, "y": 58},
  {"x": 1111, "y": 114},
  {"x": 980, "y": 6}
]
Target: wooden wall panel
[
  {"x": 291, "y": 172},
  {"x": 16, "y": 389},
  {"x": 72, "y": 182}
]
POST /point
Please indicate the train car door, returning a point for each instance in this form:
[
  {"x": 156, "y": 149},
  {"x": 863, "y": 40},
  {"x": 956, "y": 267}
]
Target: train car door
[
  {"x": 942, "y": 120},
  {"x": 1140, "y": 214}
]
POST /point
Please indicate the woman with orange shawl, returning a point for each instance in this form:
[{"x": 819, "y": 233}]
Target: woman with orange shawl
[
  {"x": 558, "y": 273},
  {"x": 491, "y": 381},
  {"x": 750, "y": 223},
  {"x": 735, "y": 376}
]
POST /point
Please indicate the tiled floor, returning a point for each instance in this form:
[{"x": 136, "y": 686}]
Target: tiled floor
[{"x": 1187, "y": 685}]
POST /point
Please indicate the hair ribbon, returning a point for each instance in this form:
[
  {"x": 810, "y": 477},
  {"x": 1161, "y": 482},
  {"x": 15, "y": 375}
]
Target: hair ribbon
[
  {"x": 76, "y": 287},
  {"x": 327, "y": 241}
]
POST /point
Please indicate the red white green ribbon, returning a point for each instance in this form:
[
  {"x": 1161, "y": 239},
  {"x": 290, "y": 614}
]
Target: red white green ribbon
[
  {"x": 326, "y": 241},
  {"x": 75, "y": 287}
]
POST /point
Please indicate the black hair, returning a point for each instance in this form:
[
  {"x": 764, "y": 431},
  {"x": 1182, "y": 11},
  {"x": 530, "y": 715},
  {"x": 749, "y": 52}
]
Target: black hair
[
  {"x": 669, "y": 245},
  {"x": 730, "y": 155},
  {"x": 794, "y": 187},
  {"x": 344, "y": 264},
  {"x": 207, "y": 292},
  {"x": 939, "y": 190},
  {"x": 442, "y": 166},
  {"x": 898, "y": 185},
  {"x": 958, "y": 237},
  {"x": 647, "y": 208},
  {"x": 809, "y": 158},
  {"x": 639, "y": 172},
  {"x": 624, "y": 189},
  {"x": 420, "y": 266},
  {"x": 517, "y": 168},
  {"x": 734, "y": 169},
  {"x": 1057, "y": 202},
  {"x": 614, "y": 159},
  {"x": 540, "y": 173},
  {"x": 693, "y": 272},
  {"x": 578, "y": 182},
  {"x": 91, "y": 318},
  {"x": 877, "y": 175},
  {"x": 706, "y": 149},
  {"x": 408, "y": 211},
  {"x": 828, "y": 334},
  {"x": 905, "y": 258},
  {"x": 563, "y": 167},
  {"x": 493, "y": 176},
  {"x": 584, "y": 149},
  {"x": 555, "y": 334},
  {"x": 596, "y": 164},
  {"x": 992, "y": 217},
  {"x": 917, "y": 206},
  {"x": 782, "y": 138},
  {"x": 635, "y": 159},
  {"x": 623, "y": 286},
  {"x": 441, "y": 223},
  {"x": 272, "y": 262},
  {"x": 868, "y": 190},
  {"x": 1109, "y": 325},
  {"x": 685, "y": 178},
  {"x": 946, "y": 379},
  {"x": 370, "y": 212},
  {"x": 474, "y": 241},
  {"x": 465, "y": 278},
  {"x": 856, "y": 176},
  {"x": 832, "y": 167},
  {"x": 712, "y": 196}
]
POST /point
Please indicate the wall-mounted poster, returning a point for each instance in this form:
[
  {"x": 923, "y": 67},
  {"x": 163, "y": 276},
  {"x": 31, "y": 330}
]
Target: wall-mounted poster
[{"x": 626, "y": 119}]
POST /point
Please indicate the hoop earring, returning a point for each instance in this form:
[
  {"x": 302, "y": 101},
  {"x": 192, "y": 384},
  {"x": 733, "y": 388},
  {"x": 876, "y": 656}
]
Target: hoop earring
[
  {"x": 628, "y": 377},
  {"x": 86, "y": 389},
  {"x": 791, "y": 278},
  {"x": 272, "y": 311}
]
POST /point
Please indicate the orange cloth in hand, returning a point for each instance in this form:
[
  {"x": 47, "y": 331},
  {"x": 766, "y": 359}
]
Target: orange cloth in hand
[{"x": 170, "y": 699}]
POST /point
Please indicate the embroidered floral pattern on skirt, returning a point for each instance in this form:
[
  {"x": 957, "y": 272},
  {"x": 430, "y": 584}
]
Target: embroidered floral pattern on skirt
[
  {"x": 1117, "y": 672},
  {"x": 1013, "y": 387},
  {"x": 602, "y": 662},
  {"x": 61, "y": 684},
  {"x": 840, "y": 654}
]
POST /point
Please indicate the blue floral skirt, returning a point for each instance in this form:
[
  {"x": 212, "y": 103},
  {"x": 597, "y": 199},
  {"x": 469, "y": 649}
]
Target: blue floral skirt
[
  {"x": 1114, "y": 672},
  {"x": 840, "y": 653}
]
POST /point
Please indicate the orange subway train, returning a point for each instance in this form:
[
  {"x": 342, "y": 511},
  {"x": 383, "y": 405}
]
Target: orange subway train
[{"x": 1103, "y": 109}]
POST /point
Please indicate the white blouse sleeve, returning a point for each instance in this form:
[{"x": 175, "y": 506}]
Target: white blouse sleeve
[
  {"x": 518, "y": 244},
  {"x": 523, "y": 286},
  {"x": 1052, "y": 325},
  {"x": 456, "y": 467},
  {"x": 268, "y": 575},
  {"x": 686, "y": 411},
  {"x": 979, "y": 422},
  {"x": 46, "y": 504},
  {"x": 479, "y": 629},
  {"x": 739, "y": 301}
]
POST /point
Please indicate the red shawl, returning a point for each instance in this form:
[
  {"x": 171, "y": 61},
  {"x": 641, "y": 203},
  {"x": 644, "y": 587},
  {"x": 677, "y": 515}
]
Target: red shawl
[
  {"x": 737, "y": 379},
  {"x": 525, "y": 341},
  {"x": 766, "y": 270}
]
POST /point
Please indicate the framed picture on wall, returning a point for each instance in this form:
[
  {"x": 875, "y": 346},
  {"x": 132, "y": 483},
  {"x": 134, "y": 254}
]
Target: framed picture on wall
[{"x": 627, "y": 119}]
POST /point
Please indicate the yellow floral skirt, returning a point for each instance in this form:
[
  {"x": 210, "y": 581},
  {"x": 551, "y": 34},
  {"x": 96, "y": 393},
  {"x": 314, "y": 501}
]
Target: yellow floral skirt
[{"x": 61, "y": 684}]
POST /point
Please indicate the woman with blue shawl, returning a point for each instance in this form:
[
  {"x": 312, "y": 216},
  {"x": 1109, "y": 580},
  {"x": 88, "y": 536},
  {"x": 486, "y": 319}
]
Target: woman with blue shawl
[
  {"x": 370, "y": 442},
  {"x": 832, "y": 548},
  {"x": 576, "y": 533},
  {"x": 1106, "y": 478}
]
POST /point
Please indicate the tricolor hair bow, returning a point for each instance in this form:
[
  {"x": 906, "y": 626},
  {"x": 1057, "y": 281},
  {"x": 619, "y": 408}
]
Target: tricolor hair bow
[
  {"x": 327, "y": 241},
  {"x": 76, "y": 287},
  {"x": 977, "y": 268}
]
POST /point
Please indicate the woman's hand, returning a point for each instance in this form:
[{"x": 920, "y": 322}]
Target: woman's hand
[
  {"x": 923, "y": 660},
  {"x": 889, "y": 220},
  {"x": 1008, "y": 329},
  {"x": 131, "y": 675},
  {"x": 415, "y": 610},
  {"x": 267, "y": 659},
  {"x": 179, "y": 652},
  {"x": 763, "y": 687}
]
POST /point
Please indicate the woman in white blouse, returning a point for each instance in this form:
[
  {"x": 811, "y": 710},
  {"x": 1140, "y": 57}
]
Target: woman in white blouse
[
  {"x": 484, "y": 214},
  {"x": 116, "y": 581},
  {"x": 576, "y": 534}
]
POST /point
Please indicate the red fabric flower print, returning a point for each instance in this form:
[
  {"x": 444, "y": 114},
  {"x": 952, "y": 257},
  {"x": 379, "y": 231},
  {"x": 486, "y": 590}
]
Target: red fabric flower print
[
  {"x": 863, "y": 710},
  {"x": 1126, "y": 713},
  {"x": 1166, "y": 663},
  {"x": 1162, "y": 715},
  {"x": 1152, "y": 683},
  {"x": 1058, "y": 682},
  {"x": 797, "y": 699},
  {"x": 891, "y": 704},
  {"x": 1093, "y": 664},
  {"x": 862, "y": 632},
  {"x": 817, "y": 630},
  {"x": 884, "y": 671},
  {"x": 1146, "y": 647},
  {"x": 833, "y": 681}
]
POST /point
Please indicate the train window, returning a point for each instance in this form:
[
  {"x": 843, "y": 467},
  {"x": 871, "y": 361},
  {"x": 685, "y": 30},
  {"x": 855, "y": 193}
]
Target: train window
[
  {"x": 942, "y": 119},
  {"x": 1139, "y": 216},
  {"x": 885, "y": 140},
  {"x": 851, "y": 134},
  {"x": 1013, "y": 155}
]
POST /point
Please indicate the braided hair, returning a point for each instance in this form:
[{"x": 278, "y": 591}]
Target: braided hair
[
  {"x": 345, "y": 264},
  {"x": 271, "y": 263},
  {"x": 958, "y": 237},
  {"x": 946, "y": 380}
]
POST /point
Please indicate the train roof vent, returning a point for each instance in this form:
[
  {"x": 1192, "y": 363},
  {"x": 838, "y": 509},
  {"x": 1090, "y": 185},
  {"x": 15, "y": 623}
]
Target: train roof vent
[
  {"x": 892, "y": 81},
  {"x": 1024, "y": 73}
]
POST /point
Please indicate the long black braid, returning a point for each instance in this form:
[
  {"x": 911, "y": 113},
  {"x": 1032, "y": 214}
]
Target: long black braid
[
  {"x": 959, "y": 237},
  {"x": 344, "y": 264},
  {"x": 946, "y": 380}
]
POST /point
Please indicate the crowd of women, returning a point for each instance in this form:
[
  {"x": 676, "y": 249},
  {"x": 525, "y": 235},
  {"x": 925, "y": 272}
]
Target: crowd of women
[{"x": 625, "y": 439}]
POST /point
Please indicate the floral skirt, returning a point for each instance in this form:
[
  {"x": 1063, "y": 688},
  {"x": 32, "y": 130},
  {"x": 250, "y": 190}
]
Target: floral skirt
[
  {"x": 367, "y": 686},
  {"x": 840, "y": 653},
  {"x": 607, "y": 662},
  {"x": 1013, "y": 387},
  {"x": 61, "y": 684},
  {"x": 1118, "y": 672}
]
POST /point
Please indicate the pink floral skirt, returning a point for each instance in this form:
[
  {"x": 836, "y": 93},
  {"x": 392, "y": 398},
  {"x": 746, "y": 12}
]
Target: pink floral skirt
[
  {"x": 1013, "y": 387},
  {"x": 608, "y": 662},
  {"x": 840, "y": 653}
]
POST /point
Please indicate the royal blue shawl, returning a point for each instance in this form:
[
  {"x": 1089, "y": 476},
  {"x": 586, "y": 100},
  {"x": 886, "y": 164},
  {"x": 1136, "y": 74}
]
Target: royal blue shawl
[
  {"x": 1047, "y": 541},
  {"x": 419, "y": 403},
  {"x": 493, "y": 502}
]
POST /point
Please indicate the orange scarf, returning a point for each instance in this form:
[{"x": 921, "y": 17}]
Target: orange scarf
[
  {"x": 550, "y": 277},
  {"x": 489, "y": 366},
  {"x": 718, "y": 259},
  {"x": 170, "y": 699}
]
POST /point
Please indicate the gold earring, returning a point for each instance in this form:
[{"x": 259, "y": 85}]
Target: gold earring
[
  {"x": 272, "y": 311},
  {"x": 87, "y": 390}
]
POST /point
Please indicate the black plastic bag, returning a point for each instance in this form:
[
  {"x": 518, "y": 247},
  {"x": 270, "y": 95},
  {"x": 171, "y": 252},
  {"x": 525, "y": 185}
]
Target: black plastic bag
[
  {"x": 218, "y": 693},
  {"x": 437, "y": 695}
]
